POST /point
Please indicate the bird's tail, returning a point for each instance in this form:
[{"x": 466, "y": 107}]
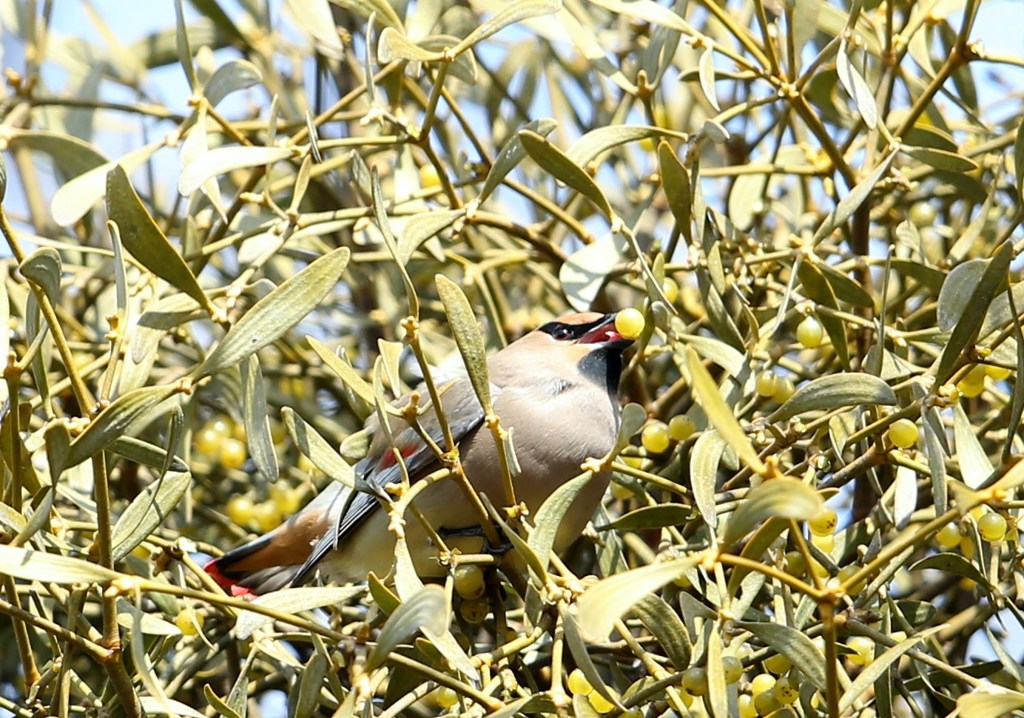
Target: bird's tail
[{"x": 251, "y": 569}]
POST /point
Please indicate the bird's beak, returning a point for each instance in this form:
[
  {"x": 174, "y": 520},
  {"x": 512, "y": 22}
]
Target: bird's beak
[{"x": 603, "y": 332}]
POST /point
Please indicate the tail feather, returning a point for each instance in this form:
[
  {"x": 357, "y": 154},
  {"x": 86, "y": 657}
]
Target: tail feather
[{"x": 242, "y": 573}]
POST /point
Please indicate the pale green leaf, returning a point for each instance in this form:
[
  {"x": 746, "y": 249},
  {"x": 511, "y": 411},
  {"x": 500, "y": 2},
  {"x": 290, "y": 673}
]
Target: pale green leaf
[
  {"x": 604, "y": 602},
  {"x": 278, "y": 311},
  {"x": 466, "y": 331},
  {"x": 705, "y": 457},
  {"x": 720, "y": 414},
  {"x": 33, "y": 565},
  {"x": 147, "y": 511},
  {"x": 222, "y": 160},
  {"x": 317, "y": 449},
  {"x": 426, "y": 609},
  {"x": 783, "y": 498},
  {"x": 292, "y": 601},
  {"x": 833, "y": 391}
]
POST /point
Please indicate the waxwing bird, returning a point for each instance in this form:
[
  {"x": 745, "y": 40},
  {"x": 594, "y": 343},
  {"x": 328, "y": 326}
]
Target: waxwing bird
[{"x": 556, "y": 388}]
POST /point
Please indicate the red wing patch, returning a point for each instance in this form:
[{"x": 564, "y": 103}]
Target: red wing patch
[
  {"x": 388, "y": 459},
  {"x": 226, "y": 582}
]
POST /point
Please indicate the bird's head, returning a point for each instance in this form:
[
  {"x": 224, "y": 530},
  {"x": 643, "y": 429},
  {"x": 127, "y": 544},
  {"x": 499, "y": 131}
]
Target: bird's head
[{"x": 587, "y": 340}]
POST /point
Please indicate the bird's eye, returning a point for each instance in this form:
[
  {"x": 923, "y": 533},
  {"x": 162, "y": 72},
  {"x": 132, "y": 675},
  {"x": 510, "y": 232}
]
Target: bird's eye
[{"x": 562, "y": 334}]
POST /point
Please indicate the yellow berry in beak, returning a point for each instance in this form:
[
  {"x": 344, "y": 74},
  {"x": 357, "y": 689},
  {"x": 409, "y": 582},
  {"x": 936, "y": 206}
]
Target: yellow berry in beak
[{"x": 629, "y": 323}]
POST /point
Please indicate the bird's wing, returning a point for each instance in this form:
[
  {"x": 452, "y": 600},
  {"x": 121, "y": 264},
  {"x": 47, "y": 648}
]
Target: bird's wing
[{"x": 380, "y": 468}]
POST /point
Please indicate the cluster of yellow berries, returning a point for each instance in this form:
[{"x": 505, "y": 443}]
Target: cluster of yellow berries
[
  {"x": 992, "y": 526},
  {"x": 223, "y": 440},
  {"x": 774, "y": 386}
]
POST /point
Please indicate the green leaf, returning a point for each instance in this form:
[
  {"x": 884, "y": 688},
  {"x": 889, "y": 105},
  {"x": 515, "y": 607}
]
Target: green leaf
[
  {"x": 833, "y": 391},
  {"x": 141, "y": 236},
  {"x": 386, "y": 14},
  {"x": 586, "y": 149},
  {"x": 719, "y": 413},
  {"x": 222, "y": 160},
  {"x": 706, "y": 73},
  {"x": 314, "y": 16},
  {"x": 990, "y": 701},
  {"x": 551, "y": 513},
  {"x": 675, "y": 183},
  {"x": 154, "y": 706},
  {"x": 1018, "y": 161},
  {"x": 794, "y": 645},
  {"x": 422, "y": 227},
  {"x": 466, "y": 331},
  {"x": 33, "y": 565},
  {"x": 975, "y": 466},
  {"x": 256, "y": 420},
  {"x": 147, "y": 511},
  {"x": 317, "y": 449},
  {"x": 43, "y": 268},
  {"x": 426, "y": 609},
  {"x": 292, "y": 601},
  {"x": 76, "y": 197},
  {"x": 704, "y": 461},
  {"x": 957, "y": 290},
  {"x": 71, "y": 156},
  {"x": 230, "y": 77},
  {"x": 665, "y": 625},
  {"x": 941, "y": 159},
  {"x": 585, "y": 271},
  {"x": 553, "y": 161},
  {"x": 783, "y": 498},
  {"x": 718, "y": 690},
  {"x": 512, "y": 153},
  {"x": 344, "y": 370},
  {"x": 603, "y": 603},
  {"x": 127, "y": 414},
  {"x": 394, "y": 45},
  {"x": 649, "y": 517},
  {"x": 952, "y": 563},
  {"x": 849, "y": 204},
  {"x": 509, "y": 15},
  {"x": 974, "y": 313},
  {"x": 856, "y": 87},
  {"x": 278, "y": 312}
]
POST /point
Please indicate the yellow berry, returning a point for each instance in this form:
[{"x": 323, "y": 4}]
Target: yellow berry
[
  {"x": 785, "y": 691},
  {"x": 285, "y": 497},
  {"x": 745, "y": 706},
  {"x": 474, "y": 611},
  {"x": 599, "y": 703},
  {"x": 445, "y": 697},
  {"x": 232, "y": 453},
  {"x": 208, "y": 441},
  {"x": 767, "y": 383},
  {"x": 863, "y": 650},
  {"x": 634, "y": 462},
  {"x": 898, "y": 636},
  {"x": 267, "y": 516},
  {"x": 777, "y": 664},
  {"x": 189, "y": 621},
  {"x": 732, "y": 667},
  {"x": 429, "y": 177},
  {"x": 670, "y": 289},
  {"x": 578, "y": 683},
  {"x": 681, "y": 427},
  {"x": 967, "y": 546},
  {"x": 796, "y": 564},
  {"x": 783, "y": 390},
  {"x": 846, "y": 573},
  {"x": 809, "y": 332},
  {"x": 762, "y": 682},
  {"x": 686, "y": 698},
  {"x": 948, "y": 536},
  {"x": 903, "y": 433},
  {"x": 655, "y": 437},
  {"x": 922, "y": 214},
  {"x": 240, "y": 509},
  {"x": 992, "y": 527},
  {"x": 766, "y": 703},
  {"x": 997, "y": 373},
  {"x": 469, "y": 581},
  {"x": 629, "y": 323},
  {"x": 825, "y": 543},
  {"x": 621, "y": 491},
  {"x": 818, "y": 569},
  {"x": 695, "y": 681},
  {"x": 824, "y": 524}
]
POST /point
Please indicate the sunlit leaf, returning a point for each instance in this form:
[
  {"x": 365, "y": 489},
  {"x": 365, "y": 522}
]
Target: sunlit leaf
[{"x": 783, "y": 498}]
